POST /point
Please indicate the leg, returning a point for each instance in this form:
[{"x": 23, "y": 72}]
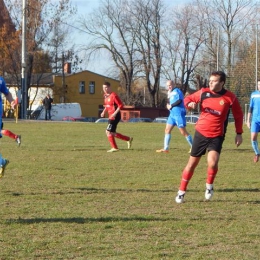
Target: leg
[
  {"x": 254, "y": 143},
  {"x": 213, "y": 159},
  {"x": 167, "y": 139},
  {"x": 49, "y": 114},
  {"x": 45, "y": 114},
  {"x": 186, "y": 177},
  {"x": 128, "y": 139},
  {"x": 185, "y": 133},
  {"x": 110, "y": 132}
]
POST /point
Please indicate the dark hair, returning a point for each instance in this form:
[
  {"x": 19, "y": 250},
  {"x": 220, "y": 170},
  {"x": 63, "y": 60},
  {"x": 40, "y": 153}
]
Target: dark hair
[
  {"x": 106, "y": 83},
  {"x": 221, "y": 75}
]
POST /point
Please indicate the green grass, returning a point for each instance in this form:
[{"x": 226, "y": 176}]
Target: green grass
[{"x": 64, "y": 197}]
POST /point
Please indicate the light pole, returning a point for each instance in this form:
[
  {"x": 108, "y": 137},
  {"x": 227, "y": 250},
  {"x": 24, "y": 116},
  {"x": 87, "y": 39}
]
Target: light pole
[
  {"x": 23, "y": 74},
  {"x": 256, "y": 57}
]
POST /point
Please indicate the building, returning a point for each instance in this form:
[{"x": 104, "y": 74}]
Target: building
[{"x": 85, "y": 88}]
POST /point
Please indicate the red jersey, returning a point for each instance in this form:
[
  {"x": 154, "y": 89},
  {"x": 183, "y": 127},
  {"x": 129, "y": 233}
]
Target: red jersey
[
  {"x": 112, "y": 102},
  {"x": 215, "y": 109}
]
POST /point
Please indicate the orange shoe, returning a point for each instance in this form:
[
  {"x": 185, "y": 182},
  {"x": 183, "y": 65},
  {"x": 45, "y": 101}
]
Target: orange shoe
[
  {"x": 162, "y": 151},
  {"x": 256, "y": 158}
]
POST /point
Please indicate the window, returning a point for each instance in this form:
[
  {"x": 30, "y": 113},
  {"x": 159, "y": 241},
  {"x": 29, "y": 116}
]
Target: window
[
  {"x": 92, "y": 87},
  {"x": 82, "y": 87}
]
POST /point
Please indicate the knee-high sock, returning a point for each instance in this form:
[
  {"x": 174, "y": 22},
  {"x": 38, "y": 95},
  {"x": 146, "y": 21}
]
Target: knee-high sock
[
  {"x": 112, "y": 141},
  {"x": 255, "y": 147},
  {"x": 167, "y": 139},
  {"x": 189, "y": 140},
  {"x": 122, "y": 137},
  {"x": 186, "y": 176},
  {"x": 8, "y": 133},
  {"x": 211, "y": 175}
]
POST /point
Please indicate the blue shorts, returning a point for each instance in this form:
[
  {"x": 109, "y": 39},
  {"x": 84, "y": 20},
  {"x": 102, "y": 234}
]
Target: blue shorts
[
  {"x": 178, "y": 120},
  {"x": 255, "y": 127}
]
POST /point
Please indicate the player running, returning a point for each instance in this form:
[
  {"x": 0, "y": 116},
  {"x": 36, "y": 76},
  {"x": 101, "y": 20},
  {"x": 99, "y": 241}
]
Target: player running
[
  {"x": 112, "y": 106},
  {"x": 215, "y": 103}
]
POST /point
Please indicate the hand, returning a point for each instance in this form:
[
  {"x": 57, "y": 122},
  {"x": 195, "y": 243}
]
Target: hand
[
  {"x": 192, "y": 105},
  {"x": 168, "y": 106},
  {"x": 13, "y": 104},
  {"x": 238, "y": 140}
]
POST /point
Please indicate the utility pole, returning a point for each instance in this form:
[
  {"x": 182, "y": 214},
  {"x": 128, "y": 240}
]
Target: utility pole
[{"x": 24, "y": 74}]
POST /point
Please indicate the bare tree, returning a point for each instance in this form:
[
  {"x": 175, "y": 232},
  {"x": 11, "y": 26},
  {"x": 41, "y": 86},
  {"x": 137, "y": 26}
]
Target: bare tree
[
  {"x": 111, "y": 30},
  {"x": 231, "y": 17},
  {"x": 43, "y": 16},
  {"x": 184, "y": 39},
  {"x": 148, "y": 19}
]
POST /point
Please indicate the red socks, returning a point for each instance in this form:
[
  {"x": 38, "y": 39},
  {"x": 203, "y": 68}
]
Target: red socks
[
  {"x": 8, "y": 133},
  {"x": 211, "y": 175},
  {"x": 186, "y": 176},
  {"x": 112, "y": 141},
  {"x": 122, "y": 137}
]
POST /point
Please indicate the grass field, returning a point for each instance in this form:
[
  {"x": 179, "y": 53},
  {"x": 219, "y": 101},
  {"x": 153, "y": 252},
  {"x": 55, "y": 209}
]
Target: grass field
[{"x": 64, "y": 197}]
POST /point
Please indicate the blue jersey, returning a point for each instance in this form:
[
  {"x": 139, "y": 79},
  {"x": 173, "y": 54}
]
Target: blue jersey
[
  {"x": 173, "y": 96},
  {"x": 254, "y": 106},
  {"x": 5, "y": 91},
  {"x": 177, "y": 113}
]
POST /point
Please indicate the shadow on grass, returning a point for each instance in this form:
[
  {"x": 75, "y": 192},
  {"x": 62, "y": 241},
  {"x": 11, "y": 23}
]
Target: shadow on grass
[
  {"x": 80, "y": 220},
  {"x": 89, "y": 190}
]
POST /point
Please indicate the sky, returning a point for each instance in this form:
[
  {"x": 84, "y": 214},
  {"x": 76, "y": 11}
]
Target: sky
[{"x": 87, "y": 6}]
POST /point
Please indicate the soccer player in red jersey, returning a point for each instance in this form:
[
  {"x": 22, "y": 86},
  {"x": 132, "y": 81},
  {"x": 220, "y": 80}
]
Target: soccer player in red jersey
[
  {"x": 215, "y": 103},
  {"x": 112, "y": 106}
]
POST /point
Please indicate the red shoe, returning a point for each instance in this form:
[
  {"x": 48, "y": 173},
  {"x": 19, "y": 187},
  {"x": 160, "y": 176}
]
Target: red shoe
[
  {"x": 256, "y": 158},
  {"x": 162, "y": 151}
]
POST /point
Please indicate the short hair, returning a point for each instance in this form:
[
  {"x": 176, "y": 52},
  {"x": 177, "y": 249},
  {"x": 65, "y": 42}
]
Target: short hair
[
  {"x": 106, "y": 83},
  {"x": 221, "y": 75}
]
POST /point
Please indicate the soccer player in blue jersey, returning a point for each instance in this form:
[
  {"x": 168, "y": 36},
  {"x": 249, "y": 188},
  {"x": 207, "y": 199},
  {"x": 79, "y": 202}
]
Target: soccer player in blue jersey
[
  {"x": 4, "y": 90},
  {"x": 254, "y": 115},
  {"x": 176, "y": 116}
]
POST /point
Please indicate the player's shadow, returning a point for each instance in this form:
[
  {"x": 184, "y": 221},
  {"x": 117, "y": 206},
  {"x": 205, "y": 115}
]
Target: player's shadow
[{"x": 80, "y": 220}]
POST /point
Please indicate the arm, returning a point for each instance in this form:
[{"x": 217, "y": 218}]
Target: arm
[
  {"x": 191, "y": 100},
  {"x": 103, "y": 112},
  {"x": 238, "y": 116},
  {"x": 119, "y": 106},
  {"x": 176, "y": 103},
  {"x": 10, "y": 99},
  {"x": 248, "y": 120}
]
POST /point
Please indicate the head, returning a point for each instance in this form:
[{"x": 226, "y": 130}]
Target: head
[
  {"x": 258, "y": 84},
  {"x": 217, "y": 81},
  {"x": 107, "y": 88},
  {"x": 170, "y": 85}
]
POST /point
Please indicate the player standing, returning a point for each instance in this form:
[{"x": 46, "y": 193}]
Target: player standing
[
  {"x": 112, "y": 105},
  {"x": 254, "y": 111},
  {"x": 215, "y": 103},
  {"x": 176, "y": 116}
]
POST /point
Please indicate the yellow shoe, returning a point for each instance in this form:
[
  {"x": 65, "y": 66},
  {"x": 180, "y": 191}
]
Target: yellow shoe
[
  {"x": 162, "y": 151},
  {"x": 189, "y": 151},
  {"x": 129, "y": 143},
  {"x": 112, "y": 150}
]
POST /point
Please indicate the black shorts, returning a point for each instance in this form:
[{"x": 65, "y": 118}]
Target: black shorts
[
  {"x": 112, "y": 124},
  {"x": 201, "y": 144}
]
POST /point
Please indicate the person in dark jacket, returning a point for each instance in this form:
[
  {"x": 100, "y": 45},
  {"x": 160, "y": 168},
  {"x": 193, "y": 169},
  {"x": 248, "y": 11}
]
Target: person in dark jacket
[{"x": 47, "y": 105}]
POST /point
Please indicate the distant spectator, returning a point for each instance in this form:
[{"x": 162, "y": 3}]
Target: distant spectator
[{"x": 47, "y": 101}]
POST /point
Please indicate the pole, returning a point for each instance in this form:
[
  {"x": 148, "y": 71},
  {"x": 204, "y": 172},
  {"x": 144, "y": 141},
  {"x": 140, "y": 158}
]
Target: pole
[
  {"x": 256, "y": 57},
  {"x": 24, "y": 76},
  {"x": 218, "y": 49}
]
